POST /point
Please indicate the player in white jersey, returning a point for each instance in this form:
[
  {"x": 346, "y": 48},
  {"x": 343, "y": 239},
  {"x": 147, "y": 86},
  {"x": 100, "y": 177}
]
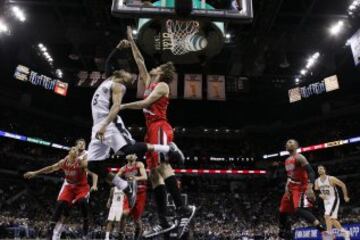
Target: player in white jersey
[
  {"x": 327, "y": 185},
  {"x": 116, "y": 205},
  {"x": 109, "y": 131}
]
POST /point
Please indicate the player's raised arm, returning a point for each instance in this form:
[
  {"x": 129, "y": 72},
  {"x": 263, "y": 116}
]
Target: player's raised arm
[
  {"x": 161, "y": 90},
  {"x": 310, "y": 171},
  {"x": 139, "y": 59},
  {"x": 46, "y": 170},
  {"x": 117, "y": 95},
  {"x": 311, "y": 174},
  {"x": 111, "y": 63},
  {"x": 337, "y": 182}
]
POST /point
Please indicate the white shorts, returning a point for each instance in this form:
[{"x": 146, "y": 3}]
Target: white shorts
[
  {"x": 331, "y": 206},
  {"x": 115, "y": 214},
  {"x": 116, "y": 136}
]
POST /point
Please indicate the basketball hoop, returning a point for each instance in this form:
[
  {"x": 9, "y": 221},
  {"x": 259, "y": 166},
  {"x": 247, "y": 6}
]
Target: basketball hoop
[{"x": 182, "y": 35}]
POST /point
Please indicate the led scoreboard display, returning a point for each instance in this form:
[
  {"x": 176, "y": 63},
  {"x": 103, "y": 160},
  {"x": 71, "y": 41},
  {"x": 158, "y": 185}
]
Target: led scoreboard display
[{"x": 25, "y": 74}]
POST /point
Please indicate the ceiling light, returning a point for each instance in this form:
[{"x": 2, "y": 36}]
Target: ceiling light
[
  {"x": 3, "y": 27},
  {"x": 336, "y": 28},
  {"x": 18, "y": 13}
]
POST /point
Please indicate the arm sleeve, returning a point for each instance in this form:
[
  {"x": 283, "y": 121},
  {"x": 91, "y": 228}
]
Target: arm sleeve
[
  {"x": 111, "y": 63},
  {"x": 310, "y": 172}
]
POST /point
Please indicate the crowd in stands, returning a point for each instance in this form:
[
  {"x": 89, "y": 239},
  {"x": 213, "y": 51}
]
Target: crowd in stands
[
  {"x": 229, "y": 208},
  {"x": 243, "y": 208}
]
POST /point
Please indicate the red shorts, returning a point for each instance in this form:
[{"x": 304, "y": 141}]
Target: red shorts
[
  {"x": 137, "y": 211},
  {"x": 71, "y": 193},
  {"x": 159, "y": 132},
  {"x": 296, "y": 198}
]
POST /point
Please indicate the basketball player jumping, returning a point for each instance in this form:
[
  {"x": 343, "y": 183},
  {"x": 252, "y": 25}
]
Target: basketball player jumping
[
  {"x": 327, "y": 186},
  {"x": 159, "y": 131},
  {"x": 109, "y": 131},
  {"x": 298, "y": 191},
  {"x": 75, "y": 188},
  {"x": 135, "y": 170}
]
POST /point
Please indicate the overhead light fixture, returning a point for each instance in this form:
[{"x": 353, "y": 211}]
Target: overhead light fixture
[
  {"x": 297, "y": 80},
  {"x": 353, "y": 6},
  {"x": 312, "y": 60},
  {"x": 3, "y": 27},
  {"x": 227, "y": 37},
  {"x": 59, "y": 73},
  {"x": 134, "y": 32},
  {"x": 336, "y": 28},
  {"x": 18, "y": 13},
  {"x": 303, "y": 72}
]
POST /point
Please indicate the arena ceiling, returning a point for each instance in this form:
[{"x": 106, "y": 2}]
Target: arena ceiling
[{"x": 270, "y": 51}]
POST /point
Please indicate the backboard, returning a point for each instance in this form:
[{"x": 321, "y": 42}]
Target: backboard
[{"x": 224, "y": 10}]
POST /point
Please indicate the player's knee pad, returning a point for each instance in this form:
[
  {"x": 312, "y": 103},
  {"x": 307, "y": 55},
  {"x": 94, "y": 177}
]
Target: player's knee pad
[{"x": 137, "y": 148}]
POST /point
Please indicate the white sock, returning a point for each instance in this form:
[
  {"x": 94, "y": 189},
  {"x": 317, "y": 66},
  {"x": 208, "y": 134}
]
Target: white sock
[
  {"x": 120, "y": 183},
  {"x": 344, "y": 231},
  {"x": 161, "y": 148},
  {"x": 58, "y": 227},
  {"x": 107, "y": 236}
]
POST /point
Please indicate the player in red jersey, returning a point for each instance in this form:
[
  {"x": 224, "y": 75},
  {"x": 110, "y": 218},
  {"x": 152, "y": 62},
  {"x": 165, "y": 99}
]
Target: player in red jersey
[
  {"x": 135, "y": 170},
  {"x": 159, "y": 131},
  {"x": 299, "y": 194},
  {"x": 75, "y": 188},
  {"x": 80, "y": 144}
]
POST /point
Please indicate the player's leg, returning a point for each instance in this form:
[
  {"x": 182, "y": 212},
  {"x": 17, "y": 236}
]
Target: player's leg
[
  {"x": 303, "y": 209},
  {"x": 331, "y": 211},
  {"x": 82, "y": 194},
  {"x": 108, "y": 230},
  {"x": 345, "y": 233},
  {"x": 60, "y": 225},
  {"x": 154, "y": 136},
  {"x": 137, "y": 212},
  {"x": 98, "y": 153},
  {"x": 110, "y": 222},
  {"x": 184, "y": 213},
  {"x": 64, "y": 200},
  {"x": 84, "y": 208},
  {"x": 286, "y": 208},
  {"x": 60, "y": 208},
  {"x": 129, "y": 146}
]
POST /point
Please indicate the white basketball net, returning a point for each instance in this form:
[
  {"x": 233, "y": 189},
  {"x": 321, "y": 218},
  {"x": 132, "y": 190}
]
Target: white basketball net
[{"x": 181, "y": 33}]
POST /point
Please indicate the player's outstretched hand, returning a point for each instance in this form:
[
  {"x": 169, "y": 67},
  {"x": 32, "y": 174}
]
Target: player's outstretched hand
[
  {"x": 310, "y": 194},
  {"x": 29, "y": 175},
  {"x": 93, "y": 189},
  {"x": 100, "y": 134},
  {"x": 347, "y": 199},
  {"x": 123, "y": 44}
]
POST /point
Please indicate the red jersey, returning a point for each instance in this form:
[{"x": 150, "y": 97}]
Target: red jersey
[
  {"x": 74, "y": 173},
  {"x": 157, "y": 111},
  {"x": 295, "y": 172},
  {"x": 134, "y": 171}
]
